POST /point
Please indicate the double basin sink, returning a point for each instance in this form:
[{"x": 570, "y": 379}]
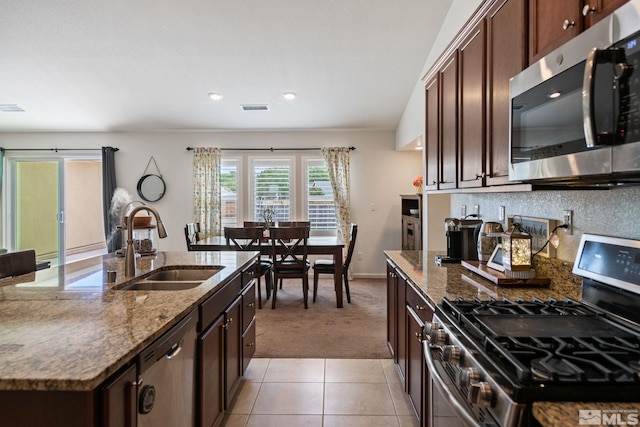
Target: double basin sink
[{"x": 173, "y": 279}]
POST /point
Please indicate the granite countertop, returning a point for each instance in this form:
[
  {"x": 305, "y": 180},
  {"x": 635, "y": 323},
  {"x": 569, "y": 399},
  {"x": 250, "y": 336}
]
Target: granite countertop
[
  {"x": 65, "y": 328},
  {"x": 453, "y": 280}
]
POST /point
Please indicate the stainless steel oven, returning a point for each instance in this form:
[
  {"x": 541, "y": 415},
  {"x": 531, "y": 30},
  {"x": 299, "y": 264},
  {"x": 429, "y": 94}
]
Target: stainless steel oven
[
  {"x": 575, "y": 114},
  {"x": 491, "y": 360}
]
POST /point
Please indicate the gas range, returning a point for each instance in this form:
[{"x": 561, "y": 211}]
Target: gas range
[{"x": 494, "y": 358}]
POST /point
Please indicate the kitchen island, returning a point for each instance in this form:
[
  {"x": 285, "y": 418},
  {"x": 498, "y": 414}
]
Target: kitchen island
[{"x": 66, "y": 329}]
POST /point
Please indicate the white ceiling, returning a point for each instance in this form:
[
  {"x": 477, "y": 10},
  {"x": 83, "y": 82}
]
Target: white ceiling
[{"x": 138, "y": 65}]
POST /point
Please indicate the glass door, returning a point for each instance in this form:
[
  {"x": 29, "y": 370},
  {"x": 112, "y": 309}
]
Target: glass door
[
  {"x": 35, "y": 217},
  {"x": 54, "y": 205}
]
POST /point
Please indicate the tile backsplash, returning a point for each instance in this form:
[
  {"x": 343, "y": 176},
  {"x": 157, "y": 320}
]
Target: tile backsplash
[{"x": 609, "y": 212}]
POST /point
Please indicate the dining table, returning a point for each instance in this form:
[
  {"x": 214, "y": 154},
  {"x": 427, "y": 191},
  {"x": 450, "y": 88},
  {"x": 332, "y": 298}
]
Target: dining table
[{"x": 316, "y": 245}]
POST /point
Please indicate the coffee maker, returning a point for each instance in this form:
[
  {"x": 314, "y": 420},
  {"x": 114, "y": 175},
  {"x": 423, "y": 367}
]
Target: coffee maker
[{"x": 461, "y": 242}]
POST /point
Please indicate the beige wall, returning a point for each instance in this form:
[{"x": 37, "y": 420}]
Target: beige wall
[{"x": 379, "y": 174}]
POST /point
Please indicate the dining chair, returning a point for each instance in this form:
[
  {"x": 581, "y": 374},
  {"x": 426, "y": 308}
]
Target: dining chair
[
  {"x": 328, "y": 266},
  {"x": 289, "y": 255},
  {"x": 248, "y": 239},
  {"x": 192, "y": 233}
]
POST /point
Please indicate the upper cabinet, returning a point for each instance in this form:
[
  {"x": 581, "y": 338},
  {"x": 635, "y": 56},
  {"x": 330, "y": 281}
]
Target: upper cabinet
[
  {"x": 553, "y": 22},
  {"x": 471, "y": 107},
  {"x": 506, "y": 56},
  {"x": 467, "y": 100}
]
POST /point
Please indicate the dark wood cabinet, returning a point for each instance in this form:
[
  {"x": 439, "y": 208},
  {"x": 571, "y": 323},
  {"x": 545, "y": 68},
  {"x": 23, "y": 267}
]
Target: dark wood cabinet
[
  {"x": 119, "y": 399},
  {"x": 431, "y": 150},
  {"x": 552, "y": 23},
  {"x": 594, "y": 10},
  {"x": 448, "y": 166},
  {"x": 233, "y": 349},
  {"x": 471, "y": 119},
  {"x": 407, "y": 312},
  {"x": 211, "y": 374},
  {"x": 506, "y": 56}
]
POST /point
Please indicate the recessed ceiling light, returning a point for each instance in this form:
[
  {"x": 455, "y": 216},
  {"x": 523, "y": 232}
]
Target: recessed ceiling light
[
  {"x": 289, "y": 95},
  {"x": 215, "y": 96},
  {"x": 554, "y": 95}
]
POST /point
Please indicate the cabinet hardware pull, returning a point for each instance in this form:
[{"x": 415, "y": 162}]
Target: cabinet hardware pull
[
  {"x": 568, "y": 24},
  {"x": 251, "y": 304},
  {"x": 420, "y": 307},
  {"x": 587, "y": 9},
  {"x": 482, "y": 175},
  {"x": 250, "y": 344},
  {"x": 419, "y": 336}
]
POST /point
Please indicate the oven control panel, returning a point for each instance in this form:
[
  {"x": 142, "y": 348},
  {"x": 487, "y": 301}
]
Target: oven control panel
[{"x": 611, "y": 260}]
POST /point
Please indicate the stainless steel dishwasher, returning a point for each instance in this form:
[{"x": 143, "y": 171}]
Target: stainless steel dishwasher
[{"x": 166, "y": 386}]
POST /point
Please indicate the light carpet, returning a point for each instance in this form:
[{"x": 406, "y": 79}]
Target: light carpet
[{"x": 356, "y": 331}]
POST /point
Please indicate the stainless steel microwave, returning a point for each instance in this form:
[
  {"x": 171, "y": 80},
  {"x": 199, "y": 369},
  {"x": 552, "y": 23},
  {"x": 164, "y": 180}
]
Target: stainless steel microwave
[{"x": 575, "y": 114}]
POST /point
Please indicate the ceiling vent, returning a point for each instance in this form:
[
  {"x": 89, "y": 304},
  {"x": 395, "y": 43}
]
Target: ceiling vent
[
  {"x": 10, "y": 108},
  {"x": 255, "y": 107}
]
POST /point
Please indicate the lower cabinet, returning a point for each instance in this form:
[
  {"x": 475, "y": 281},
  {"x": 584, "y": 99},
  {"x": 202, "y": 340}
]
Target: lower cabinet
[
  {"x": 227, "y": 327},
  {"x": 408, "y": 311}
]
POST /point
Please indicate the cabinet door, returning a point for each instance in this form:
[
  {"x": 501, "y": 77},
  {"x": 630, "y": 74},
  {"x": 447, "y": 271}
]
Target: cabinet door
[
  {"x": 401, "y": 331},
  {"x": 392, "y": 283},
  {"x": 432, "y": 132},
  {"x": 551, "y": 24},
  {"x": 119, "y": 400},
  {"x": 210, "y": 374},
  {"x": 449, "y": 124},
  {"x": 595, "y": 10},
  {"x": 233, "y": 349},
  {"x": 506, "y": 57},
  {"x": 471, "y": 119},
  {"x": 248, "y": 305},
  {"x": 415, "y": 361}
]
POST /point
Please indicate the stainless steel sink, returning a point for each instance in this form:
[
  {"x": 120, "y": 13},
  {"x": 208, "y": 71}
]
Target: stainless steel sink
[
  {"x": 171, "y": 280},
  {"x": 184, "y": 275}
]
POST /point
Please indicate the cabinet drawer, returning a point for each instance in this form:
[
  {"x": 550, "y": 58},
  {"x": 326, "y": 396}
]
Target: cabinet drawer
[
  {"x": 248, "y": 345},
  {"x": 216, "y": 303},
  {"x": 418, "y": 304},
  {"x": 248, "y": 305}
]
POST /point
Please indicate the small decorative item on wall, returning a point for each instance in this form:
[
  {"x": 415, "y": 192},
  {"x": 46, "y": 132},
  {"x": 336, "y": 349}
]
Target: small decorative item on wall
[
  {"x": 540, "y": 230},
  {"x": 418, "y": 184},
  {"x": 151, "y": 187}
]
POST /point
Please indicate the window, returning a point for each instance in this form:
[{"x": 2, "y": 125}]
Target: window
[
  {"x": 272, "y": 188},
  {"x": 229, "y": 185},
  {"x": 320, "y": 208}
]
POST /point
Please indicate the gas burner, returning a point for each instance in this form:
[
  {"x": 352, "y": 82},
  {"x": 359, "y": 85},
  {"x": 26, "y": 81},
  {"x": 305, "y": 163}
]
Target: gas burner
[{"x": 555, "y": 369}]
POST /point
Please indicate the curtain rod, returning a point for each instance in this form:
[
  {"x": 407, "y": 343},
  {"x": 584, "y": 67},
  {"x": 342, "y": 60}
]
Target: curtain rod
[
  {"x": 54, "y": 149},
  {"x": 271, "y": 149}
]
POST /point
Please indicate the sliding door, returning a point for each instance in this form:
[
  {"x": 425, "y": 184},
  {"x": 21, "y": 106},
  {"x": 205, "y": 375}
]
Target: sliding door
[{"x": 55, "y": 207}]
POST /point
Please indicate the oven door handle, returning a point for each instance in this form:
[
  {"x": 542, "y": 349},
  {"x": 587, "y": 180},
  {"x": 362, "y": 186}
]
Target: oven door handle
[{"x": 463, "y": 412}]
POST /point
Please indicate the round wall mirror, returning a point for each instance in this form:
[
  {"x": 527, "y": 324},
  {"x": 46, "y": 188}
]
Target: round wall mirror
[{"x": 151, "y": 188}]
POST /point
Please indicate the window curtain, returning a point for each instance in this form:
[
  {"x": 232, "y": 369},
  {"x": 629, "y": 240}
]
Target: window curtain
[
  {"x": 111, "y": 234},
  {"x": 206, "y": 190},
  {"x": 337, "y": 159}
]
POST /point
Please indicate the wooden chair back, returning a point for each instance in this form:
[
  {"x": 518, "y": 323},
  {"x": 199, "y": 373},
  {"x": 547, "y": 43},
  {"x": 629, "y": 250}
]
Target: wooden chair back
[
  {"x": 243, "y": 238},
  {"x": 289, "y": 249},
  {"x": 192, "y": 233},
  {"x": 353, "y": 232}
]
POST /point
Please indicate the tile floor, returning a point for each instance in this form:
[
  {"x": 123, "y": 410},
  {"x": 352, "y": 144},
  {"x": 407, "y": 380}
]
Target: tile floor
[{"x": 320, "y": 392}]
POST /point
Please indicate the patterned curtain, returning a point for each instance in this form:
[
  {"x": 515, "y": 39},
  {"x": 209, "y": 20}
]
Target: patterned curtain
[
  {"x": 337, "y": 159},
  {"x": 206, "y": 190}
]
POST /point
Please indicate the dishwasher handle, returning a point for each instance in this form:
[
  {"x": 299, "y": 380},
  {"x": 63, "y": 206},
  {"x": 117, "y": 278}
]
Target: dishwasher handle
[{"x": 174, "y": 351}]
